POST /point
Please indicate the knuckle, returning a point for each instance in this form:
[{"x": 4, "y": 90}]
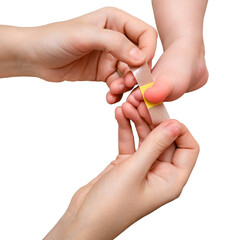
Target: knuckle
[
  {"x": 178, "y": 184},
  {"x": 158, "y": 146},
  {"x": 176, "y": 122},
  {"x": 178, "y": 193},
  {"x": 203, "y": 73},
  {"x": 114, "y": 162},
  {"x": 177, "y": 189},
  {"x": 117, "y": 112},
  {"x": 154, "y": 32},
  {"x": 119, "y": 39},
  {"x": 197, "y": 147},
  {"x": 205, "y": 76},
  {"x": 110, "y": 12},
  {"x": 110, "y": 9}
]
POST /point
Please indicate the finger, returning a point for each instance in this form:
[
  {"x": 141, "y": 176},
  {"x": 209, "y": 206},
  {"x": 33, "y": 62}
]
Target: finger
[
  {"x": 187, "y": 151},
  {"x": 130, "y": 80},
  {"x": 155, "y": 144},
  {"x": 132, "y": 100},
  {"x": 123, "y": 68},
  {"x": 111, "y": 99},
  {"x": 113, "y": 77},
  {"x": 166, "y": 156},
  {"x": 136, "y": 30},
  {"x": 184, "y": 157},
  {"x": 115, "y": 43},
  {"x": 138, "y": 95},
  {"x": 118, "y": 87},
  {"x": 125, "y": 136},
  {"x": 142, "y": 127},
  {"x": 144, "y": 113}
]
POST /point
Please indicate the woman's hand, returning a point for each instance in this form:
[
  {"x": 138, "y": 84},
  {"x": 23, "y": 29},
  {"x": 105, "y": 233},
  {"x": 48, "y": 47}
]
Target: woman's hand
[
  {"x": 135, "y": 184},
  {"x": 97, "y": 46}
]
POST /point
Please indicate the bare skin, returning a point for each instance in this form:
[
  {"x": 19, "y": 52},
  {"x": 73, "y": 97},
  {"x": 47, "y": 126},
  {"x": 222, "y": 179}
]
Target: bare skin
[
  {"x": 133, "y": 185},
  {"x": 97, "y": 46},
  {"x": 182, "y": 67}
]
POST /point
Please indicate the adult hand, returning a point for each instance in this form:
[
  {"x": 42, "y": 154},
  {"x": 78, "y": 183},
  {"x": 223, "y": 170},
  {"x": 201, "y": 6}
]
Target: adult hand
[
  {"x": 97, "y": 46},
  {"x": 132, "y": 186}
]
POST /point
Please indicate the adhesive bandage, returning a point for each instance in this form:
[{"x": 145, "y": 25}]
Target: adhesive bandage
[{"x": 157, "y": 111}]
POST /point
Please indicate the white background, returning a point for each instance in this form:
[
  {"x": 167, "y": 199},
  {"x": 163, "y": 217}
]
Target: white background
[{"x": 50, "y": 144}]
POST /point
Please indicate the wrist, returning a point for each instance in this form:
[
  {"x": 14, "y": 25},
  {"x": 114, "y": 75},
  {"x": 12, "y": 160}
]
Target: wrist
[
  {"x": 71, "y": 226},
  {"x": 65, "y": 229},
  {"x": 13, "y": 48}
]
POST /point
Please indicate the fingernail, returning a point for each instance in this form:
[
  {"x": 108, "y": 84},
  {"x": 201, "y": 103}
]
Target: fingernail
[
  {"x": 174, "y": 129},
  {"x": 136, "y": 54}
]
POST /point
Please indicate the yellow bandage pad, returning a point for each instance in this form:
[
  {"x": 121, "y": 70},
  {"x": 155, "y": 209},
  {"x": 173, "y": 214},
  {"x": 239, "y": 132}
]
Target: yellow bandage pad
[
  {"x": 143, "y": 89},
  {"x": 157, "y": 111}
]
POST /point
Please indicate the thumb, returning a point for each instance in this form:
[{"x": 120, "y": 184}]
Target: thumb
[
  {"x": 155, "y": 144},
  {"x": 117, "y": 44}
]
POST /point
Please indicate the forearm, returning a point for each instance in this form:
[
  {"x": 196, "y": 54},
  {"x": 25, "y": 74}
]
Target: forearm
[
  {"x": 67, "y": 228},
  {"x": 72, "y": 227},
  {"x": 179, "y": 18},
  {"x": 13, "y": 60}
]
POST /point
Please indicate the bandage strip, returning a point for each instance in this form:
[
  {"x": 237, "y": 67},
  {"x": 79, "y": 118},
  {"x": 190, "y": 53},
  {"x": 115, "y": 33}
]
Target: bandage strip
[{"x": 157, "y": 111}]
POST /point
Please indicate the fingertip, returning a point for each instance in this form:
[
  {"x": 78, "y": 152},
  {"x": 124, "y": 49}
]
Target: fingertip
[
  {"x": 118, "y": 111},
  {"x": 121, "y": 119},
  {"x": 118, "y": 87},
  {"x": 173, "y": 127},
  {"x": 125, "y": 107},
  {"x": 111, "y": 99}
]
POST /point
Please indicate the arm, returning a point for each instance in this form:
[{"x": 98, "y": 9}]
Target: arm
[
  {"x": 12, "y": 62},
  {"x": 182, "y": 66}
]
